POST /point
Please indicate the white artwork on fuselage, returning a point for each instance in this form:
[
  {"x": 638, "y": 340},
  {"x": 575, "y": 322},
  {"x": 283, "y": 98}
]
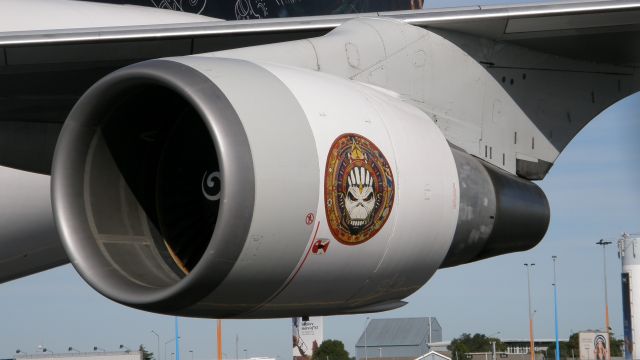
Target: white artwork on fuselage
[
  {"x": 191, "y": 6},
  {"x": 245, "y": 9}
]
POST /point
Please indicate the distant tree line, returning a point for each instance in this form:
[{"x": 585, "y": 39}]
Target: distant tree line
[{"x": 467, "y": 343}]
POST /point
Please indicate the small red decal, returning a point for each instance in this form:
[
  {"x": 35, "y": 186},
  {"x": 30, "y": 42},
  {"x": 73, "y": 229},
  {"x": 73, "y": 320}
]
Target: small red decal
[
  {"x": 320, "y": 247},
  {"x": 310, "y": 218}
]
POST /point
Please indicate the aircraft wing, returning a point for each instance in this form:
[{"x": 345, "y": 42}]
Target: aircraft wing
[
  {"x": 604, "y": 32},
  {"x": 610, "y": 28}
]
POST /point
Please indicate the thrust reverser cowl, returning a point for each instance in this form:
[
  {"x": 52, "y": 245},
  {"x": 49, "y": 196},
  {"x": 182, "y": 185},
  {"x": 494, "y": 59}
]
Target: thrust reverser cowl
[{"x": 217, "y": 187}]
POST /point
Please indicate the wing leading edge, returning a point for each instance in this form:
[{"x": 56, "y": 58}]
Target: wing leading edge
[{"x": 545, "y": 27}]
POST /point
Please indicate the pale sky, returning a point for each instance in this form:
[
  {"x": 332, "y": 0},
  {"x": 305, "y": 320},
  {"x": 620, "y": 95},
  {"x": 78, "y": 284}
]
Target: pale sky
[{"x": 594, "y": 193}]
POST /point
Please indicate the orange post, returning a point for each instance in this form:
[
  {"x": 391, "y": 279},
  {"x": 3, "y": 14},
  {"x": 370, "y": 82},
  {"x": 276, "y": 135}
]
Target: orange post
[
  {"x": 531, "y": 342},
  {"x": 606, "y": 297},
  {"x": 533, "y": 353},
  {"x": 219, "y": 336}
]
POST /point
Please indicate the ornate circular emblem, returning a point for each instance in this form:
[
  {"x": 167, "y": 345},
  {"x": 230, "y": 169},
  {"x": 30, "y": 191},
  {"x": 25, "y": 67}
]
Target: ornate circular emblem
[{"x": 358, "y": 189}]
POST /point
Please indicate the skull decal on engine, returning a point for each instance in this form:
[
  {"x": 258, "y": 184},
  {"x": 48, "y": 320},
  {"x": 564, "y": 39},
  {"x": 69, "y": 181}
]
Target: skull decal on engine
[
  {"x": 359, "y": 189},
  {"x": 359, "y": 200}
]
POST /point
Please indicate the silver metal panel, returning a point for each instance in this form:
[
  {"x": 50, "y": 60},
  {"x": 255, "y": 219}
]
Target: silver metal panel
[
  {"x": 28, "y": 237},
  {"x": 197, "y": 30}
]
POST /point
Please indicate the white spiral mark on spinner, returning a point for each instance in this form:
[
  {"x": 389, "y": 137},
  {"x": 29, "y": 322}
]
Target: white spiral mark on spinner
[{"x": 208, "y": 185}]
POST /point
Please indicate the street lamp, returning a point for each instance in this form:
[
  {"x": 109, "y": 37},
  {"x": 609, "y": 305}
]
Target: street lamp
[
  {"x": 493, "y": 344},
  {"x": 366, "y": 323},
  {"x": 531, "y": 347},
  {"x": 245, "y": 353},
  {"x": 379, "y": 353},
  {"x": 555, "y": 306},
  {"x": 606, "y": 298},
  {"x": 158, "y": 338},
  {"x": 237, "y": 340},
  {"x": 165, "y": 346},
  {"x": 191, "y": 351}
]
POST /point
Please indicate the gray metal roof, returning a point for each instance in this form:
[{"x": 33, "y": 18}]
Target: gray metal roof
[{"x": 398, "y": 332}]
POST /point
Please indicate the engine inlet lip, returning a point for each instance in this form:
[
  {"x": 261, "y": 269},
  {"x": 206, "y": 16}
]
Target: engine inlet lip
[{"x": 237, "y": 193}]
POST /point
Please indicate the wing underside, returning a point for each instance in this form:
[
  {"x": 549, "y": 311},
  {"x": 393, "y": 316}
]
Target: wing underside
[{"x": 43, "y": 73}]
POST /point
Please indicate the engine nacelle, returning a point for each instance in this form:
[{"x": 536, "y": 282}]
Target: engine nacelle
[{"x": 218, "y": 187}]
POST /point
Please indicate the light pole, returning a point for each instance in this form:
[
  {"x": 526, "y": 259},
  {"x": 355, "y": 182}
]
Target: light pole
[
  {"x": 555, "y": 306},
  {"x": 493, "y": 345},
  {"x": 531, "y": 348},
  {"x": 191, "y": 351},
  {"x": 366, "y": 322},
  {"x": 606, "y": 298},
  {"x": 165, "y": 347},
  {"x": 245, "y": 353},
  {"x": 379, "y": 353},
  {"x": 158, "y": 337},
  {"x": 177, "y": 340}
]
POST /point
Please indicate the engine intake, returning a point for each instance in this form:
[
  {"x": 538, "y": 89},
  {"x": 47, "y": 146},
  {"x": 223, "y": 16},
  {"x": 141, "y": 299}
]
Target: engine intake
[{"x": 139, "y": 169}]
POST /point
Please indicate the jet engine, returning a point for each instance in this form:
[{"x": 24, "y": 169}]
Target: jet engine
[{"x": 218, "y": 187}]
